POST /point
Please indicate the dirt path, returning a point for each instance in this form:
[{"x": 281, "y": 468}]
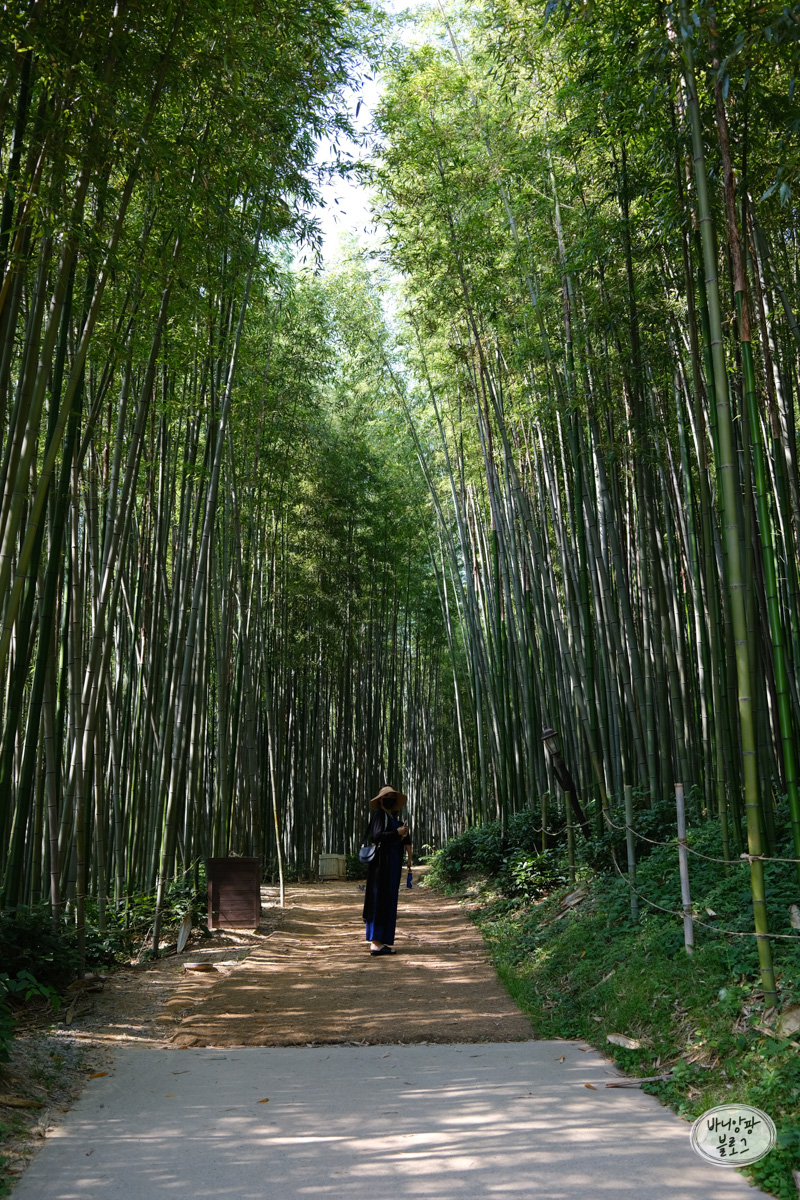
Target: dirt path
[{"x": 310, "y": 980}]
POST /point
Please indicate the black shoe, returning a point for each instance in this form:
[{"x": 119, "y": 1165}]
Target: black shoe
[{"x": 383, "y": 950}]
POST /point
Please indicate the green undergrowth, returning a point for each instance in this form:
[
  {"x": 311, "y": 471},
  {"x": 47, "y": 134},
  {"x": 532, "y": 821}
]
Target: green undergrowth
[
  {"x": 38, "y": 959},
  {"x": 589, "y": 970},
  {"x": 511, "y": 856},
  {"x": 30, "y": 942}
]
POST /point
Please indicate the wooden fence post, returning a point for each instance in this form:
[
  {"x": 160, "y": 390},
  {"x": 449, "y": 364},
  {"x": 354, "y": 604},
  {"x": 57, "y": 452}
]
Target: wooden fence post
[
  {"x": 570, "y": 838},
  {"x": 631, "y": 850},
  {"x": 683, "y": 859}
]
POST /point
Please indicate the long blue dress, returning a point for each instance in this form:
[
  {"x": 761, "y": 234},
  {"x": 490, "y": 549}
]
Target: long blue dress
[{"x": 383, "y": 878}]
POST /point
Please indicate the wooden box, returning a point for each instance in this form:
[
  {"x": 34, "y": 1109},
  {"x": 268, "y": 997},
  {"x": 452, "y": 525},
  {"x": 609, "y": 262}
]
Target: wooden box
[
  {"x": 332, "y": 866},
  {"x": 234, "y": 893}
]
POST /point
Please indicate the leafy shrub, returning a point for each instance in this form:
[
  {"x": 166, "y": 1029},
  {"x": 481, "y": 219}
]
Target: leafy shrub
[
  {"x": 523, "y": 830},
  {"x": 530, "y": 875},
  {"x": 29, "y": 942},
  {"x": 478, "y": 848},
  {"x": 23, "y": 986},
  {"x": 659, "y": 824},
  {"x": 127, "y": 927},
  {"x": 652, "y": 825},
  {"x": 512, "y": 859}
]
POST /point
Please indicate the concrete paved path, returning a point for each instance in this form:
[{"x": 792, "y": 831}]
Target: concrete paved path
[{"x": 484, "y": 1121}]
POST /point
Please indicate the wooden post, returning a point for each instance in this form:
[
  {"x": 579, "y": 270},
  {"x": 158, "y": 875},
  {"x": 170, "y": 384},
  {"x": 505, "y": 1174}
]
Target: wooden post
[
  {"x": 570, "y": 839},
  {"x": 631, "y": 851},
  {"x": 683, "y": 859}
]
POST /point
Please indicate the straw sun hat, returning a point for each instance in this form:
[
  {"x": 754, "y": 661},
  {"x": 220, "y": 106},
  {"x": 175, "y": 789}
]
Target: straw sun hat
[{"x": 388, "y": 798}]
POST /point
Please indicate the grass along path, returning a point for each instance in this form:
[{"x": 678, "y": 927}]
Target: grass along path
[{"x": 585, "y": 971}]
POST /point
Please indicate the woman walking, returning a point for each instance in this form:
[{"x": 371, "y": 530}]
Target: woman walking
[{"x": 383, "y": 877}]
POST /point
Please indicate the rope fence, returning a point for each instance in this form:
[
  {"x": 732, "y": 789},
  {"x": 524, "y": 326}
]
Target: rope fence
[
  {"x": 788, "y": 937},
  {"x": 680, "y": 843},
  {"x": 740, "y": 859},
  {"x": 748, "y": 858}
]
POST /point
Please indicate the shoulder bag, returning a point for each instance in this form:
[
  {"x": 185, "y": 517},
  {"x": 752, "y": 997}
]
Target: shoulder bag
[{"x": 368, "y": 848}]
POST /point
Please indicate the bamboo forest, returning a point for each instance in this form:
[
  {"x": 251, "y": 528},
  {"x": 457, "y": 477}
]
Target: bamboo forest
[{"x": 499, "y": 505}]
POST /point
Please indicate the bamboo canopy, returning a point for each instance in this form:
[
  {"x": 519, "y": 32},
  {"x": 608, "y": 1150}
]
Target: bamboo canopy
[{"x": 268, "y": 540}]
